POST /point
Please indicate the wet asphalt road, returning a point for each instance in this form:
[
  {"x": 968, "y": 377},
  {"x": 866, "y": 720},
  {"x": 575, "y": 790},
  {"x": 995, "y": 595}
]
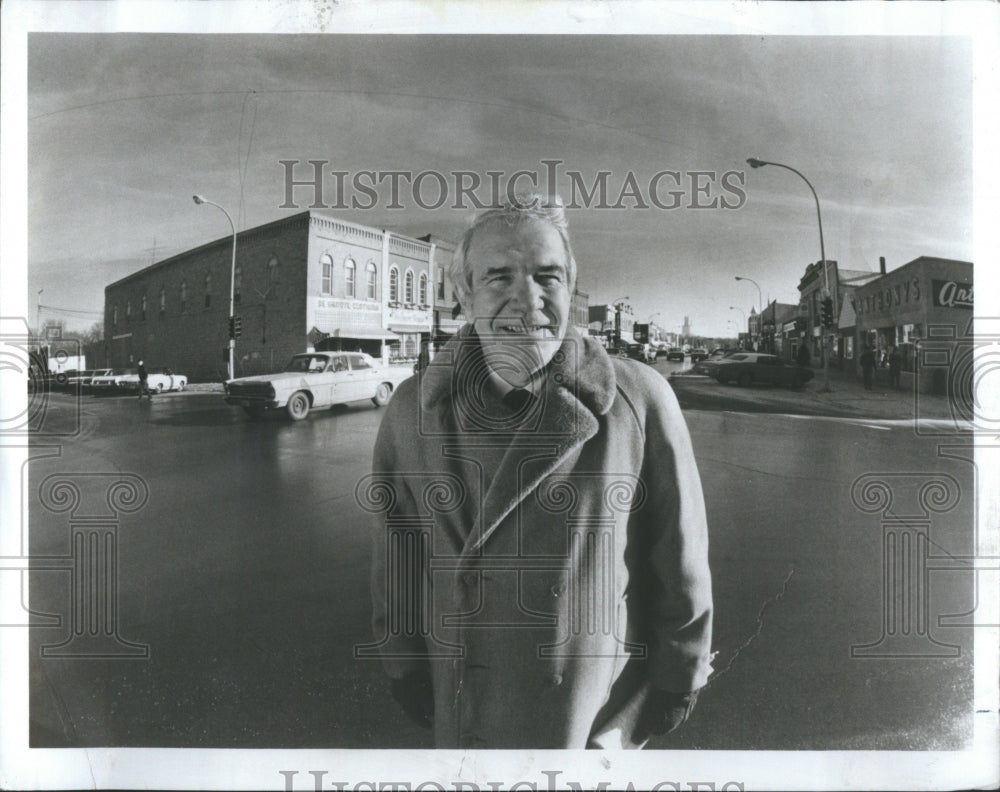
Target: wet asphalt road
[{"x": 245, "y": 575}]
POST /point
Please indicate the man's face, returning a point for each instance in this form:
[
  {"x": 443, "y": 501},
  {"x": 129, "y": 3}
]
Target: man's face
[{"x": 520, "y": 298}]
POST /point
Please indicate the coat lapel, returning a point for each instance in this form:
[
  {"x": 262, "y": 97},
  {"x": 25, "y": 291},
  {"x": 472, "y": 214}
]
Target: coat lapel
[{"x": 580, "y": 385}]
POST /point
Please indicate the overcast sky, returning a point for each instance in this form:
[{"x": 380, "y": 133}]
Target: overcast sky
[{"x": 124, "y": 128}]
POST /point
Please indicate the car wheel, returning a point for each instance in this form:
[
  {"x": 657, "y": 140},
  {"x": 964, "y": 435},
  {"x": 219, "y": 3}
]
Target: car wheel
[
  {"x": 745, "y": 379},
  {"x": 159, "y": 387},
  {"x": 181, "y": 385},
  {"x": 298, "y": 406},
  {"x": 61, "y": 379},
  {"x": 382, "y": 394}
]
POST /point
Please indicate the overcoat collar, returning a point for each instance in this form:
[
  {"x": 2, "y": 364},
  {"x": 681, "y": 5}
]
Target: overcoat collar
[
  {"x": 579, "y": 386},
  {"x": 581, "y": 367}
]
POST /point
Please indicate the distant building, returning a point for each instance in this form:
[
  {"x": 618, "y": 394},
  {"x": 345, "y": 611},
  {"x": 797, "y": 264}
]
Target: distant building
[
  {"x": 580, "y": 311},
  {"x": 306, "y": 281},
  {"x": 774, "y": 320}
]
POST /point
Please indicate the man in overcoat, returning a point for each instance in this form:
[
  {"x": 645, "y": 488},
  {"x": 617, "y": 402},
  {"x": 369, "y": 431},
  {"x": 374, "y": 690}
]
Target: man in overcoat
[{"x": 540, "y": 571}]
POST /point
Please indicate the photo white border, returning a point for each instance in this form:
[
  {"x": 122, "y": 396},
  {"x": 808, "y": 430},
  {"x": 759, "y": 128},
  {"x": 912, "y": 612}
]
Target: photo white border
[{"x": 24, "y": 768}]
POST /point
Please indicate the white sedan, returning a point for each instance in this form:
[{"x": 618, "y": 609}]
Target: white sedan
[
  {"x": 316, "y": 379},
  {"x": 127, "y": 381}
]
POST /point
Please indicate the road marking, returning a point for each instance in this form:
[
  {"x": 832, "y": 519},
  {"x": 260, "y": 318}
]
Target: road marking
[{"x": 954, "y": 426}]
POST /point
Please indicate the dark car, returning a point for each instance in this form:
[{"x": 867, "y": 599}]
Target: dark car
[
  {"x": 675, "y": 353},
  {"x": 634, "y": 351},
  {"x": 699, "y": 353},
  {"x": 748, "y": 368}
]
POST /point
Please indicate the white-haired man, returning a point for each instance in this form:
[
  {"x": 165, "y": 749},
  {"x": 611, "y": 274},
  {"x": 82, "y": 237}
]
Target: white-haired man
[{"x": 540, "y": 575}]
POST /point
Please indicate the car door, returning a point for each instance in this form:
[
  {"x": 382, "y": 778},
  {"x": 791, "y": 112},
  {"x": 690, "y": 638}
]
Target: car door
[
  {"x": 766, "y": 370},
  {"x": 332, "y": 383},
  {"x": 363, "y": 377}
]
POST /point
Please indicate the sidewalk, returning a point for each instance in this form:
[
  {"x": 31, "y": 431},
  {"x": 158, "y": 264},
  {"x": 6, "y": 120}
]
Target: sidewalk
[
  {"x": 847, "y": 397},
  {"x": 847, "y": 392}
]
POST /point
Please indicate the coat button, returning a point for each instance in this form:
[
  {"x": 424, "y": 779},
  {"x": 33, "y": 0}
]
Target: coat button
[
  {"x": 469, "y": 578},
  {"x": 555, "y": 680},
  {"x": 558, "y": 589}
]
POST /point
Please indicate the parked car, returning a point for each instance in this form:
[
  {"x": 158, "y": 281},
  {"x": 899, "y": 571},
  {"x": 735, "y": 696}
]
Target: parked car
[
  {"x": 158, "y": 381},
  {"x": 127, "y": 381},
  {"x": 675, "y": 353},
  {"x": 111, "y": 381},
  {"x": 747, "y": 368},
  {"x": 634, "y": 351},
  {"x": 316, "y": 379},
  {"x": 710, "y": 366},
  {"x": 83, "y": 379},
  {"x": 698, "y": 353}
]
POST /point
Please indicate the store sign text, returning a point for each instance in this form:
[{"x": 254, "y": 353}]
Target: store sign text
[
  {"x": 890, "y": 297},
  {"x": 952, "y": 294}
]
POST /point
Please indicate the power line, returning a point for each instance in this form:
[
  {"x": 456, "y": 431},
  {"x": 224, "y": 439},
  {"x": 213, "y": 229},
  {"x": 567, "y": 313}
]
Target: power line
[{"x": 79, "y": 311}]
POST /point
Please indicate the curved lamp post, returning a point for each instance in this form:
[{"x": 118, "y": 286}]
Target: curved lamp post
[
  {"x": 753, "y": 162},
  {"x": 760, "y": 304},
  {"x": 198, "y": 199}
]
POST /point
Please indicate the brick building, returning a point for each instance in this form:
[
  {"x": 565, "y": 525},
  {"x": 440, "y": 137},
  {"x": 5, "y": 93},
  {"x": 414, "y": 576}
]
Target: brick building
[
  {"x": 924, "y": 309},
  {"x": 310, "y": 280}
]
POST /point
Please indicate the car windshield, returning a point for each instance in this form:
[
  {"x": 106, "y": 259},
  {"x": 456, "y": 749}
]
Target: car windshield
[
  {"x": 737, "y": 357},
  {"x": 305, "y": 363}
]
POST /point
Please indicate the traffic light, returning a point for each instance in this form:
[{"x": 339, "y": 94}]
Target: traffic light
[
  {"x": 237, "y": 326},
  {"x": 827, "y": 312}
]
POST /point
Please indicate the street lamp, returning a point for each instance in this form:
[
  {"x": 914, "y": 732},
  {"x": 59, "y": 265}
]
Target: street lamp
[
  {"x": 198, "y": 199},
  {"x": 753, "y": 162}
]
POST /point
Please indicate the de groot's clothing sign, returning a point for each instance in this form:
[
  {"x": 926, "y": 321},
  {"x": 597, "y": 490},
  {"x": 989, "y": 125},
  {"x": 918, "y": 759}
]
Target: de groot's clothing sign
[{"x": 549, "y": 562}]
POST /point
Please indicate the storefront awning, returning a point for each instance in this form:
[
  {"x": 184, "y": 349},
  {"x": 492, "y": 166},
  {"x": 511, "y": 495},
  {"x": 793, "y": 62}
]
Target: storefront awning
[
  {"x": 360, "y": 335},
  {"x": 410, "y": 328}
]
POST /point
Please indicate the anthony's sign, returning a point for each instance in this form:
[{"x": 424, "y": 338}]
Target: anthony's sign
[{"x": 952, "y": 294}]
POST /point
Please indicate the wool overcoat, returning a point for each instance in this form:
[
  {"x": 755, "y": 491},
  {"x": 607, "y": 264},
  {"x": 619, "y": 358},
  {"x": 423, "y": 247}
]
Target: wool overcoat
[{"x": 550, "y": 564}]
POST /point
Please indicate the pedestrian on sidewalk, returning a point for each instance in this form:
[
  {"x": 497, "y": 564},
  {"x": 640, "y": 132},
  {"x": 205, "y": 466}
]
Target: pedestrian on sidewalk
[
  {"x": 144, "y": 382},
  {"x": 868, "y": 366},
  {"x": 895, "y": 363},
  {"x": 802, "y": 358}
]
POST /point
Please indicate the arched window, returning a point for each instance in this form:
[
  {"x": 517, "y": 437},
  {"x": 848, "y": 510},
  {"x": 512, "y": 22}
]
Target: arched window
[
  {"x": 237, "y": 283},
  {"x": 326, "y": 268},
  {"x": 114, "y": 317},
  {"x": 350, "y": 268},
  {"x": 408, "y": 288},
  {"x": 184, "y": 295},
  {"x": 208, "y": 291},
  {"x": 163, "y": 301},
  {"x": 370, "y": 274},
  {"x": 423, "y": 288},
  {"x": 393, "y": 285},
  {"x": 128, "y": 311},
  {"x": 143, "y": 308}
]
